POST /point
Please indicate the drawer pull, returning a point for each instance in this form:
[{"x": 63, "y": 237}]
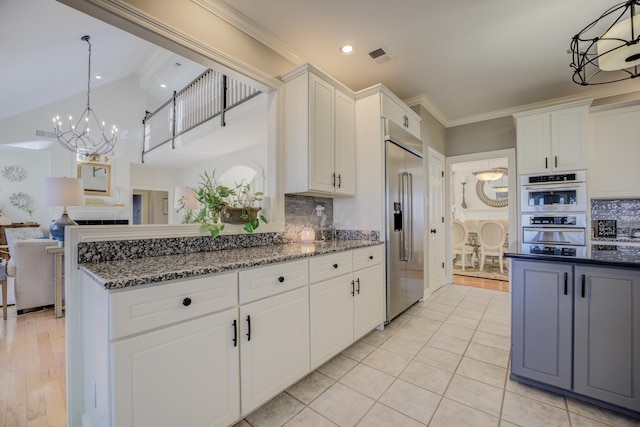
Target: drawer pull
[
  {"x": 281, "y": 279},
  {"x": 235, "y": 333},
  {"x": 335, "y": 265},
  {"x": 186, "y": 302},
  {"x": 371, "y": 257}
]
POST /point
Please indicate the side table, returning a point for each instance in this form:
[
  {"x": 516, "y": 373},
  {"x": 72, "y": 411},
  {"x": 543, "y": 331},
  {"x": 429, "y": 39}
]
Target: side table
[
  {"x": 58, "y": 252},
  {"x": 3, "y": 282}
]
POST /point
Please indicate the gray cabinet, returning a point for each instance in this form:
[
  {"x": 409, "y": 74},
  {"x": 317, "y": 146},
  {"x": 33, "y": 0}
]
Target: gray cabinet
[
  {"x": 607, "y": 335},
  {"x": 575, "y": 327},
  {"x": 542, "y": 297}
]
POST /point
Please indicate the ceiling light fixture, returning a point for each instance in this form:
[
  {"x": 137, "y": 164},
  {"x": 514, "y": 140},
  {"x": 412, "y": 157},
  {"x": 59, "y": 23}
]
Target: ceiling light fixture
[
  {"x": 489, "y": 175},
  {"x": 606, "y": 51},
  {"x": 78, "y": 139},
  {"x": 347, "y": 49}
]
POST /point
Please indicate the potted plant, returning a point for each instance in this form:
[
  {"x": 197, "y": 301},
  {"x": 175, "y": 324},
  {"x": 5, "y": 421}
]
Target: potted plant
[
  {"x": 219, "y": 204},
  {"x": 242, "y": 207}
]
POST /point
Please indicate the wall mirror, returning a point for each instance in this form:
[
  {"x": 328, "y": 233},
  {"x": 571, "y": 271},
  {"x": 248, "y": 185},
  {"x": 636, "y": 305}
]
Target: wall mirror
[
  {"x": 494, "y": 193},
  {"x": 96, "y": 178}
]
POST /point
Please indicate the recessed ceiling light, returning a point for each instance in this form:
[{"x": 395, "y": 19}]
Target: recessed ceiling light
[
  {"x": 98, "y": 76},
  {"x": 347, "y": 49},
  {"x": 162, "y": 85}
]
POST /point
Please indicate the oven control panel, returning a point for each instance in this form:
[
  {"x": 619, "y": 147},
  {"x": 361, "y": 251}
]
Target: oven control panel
[{"x": 552, "y": 220}]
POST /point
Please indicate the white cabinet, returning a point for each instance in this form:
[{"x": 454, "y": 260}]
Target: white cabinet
[
  {"x": 344, "y": 307},
  {"x": 274, "y": 346},
  {"x": 184, "y": 374},
  {"x": 400, "y": 115},
  {"x": 552, "y": 139},
  {"x": 614, "y": 153},
  {"x": 319, "y": 134}
]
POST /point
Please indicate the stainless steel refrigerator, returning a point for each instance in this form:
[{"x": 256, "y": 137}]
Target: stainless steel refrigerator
[{"x": 404, "y": 230}]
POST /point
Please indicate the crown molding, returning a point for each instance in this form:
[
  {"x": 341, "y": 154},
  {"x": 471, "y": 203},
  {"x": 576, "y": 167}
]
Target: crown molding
[
  {"x": 428, "y": 105},
  {"x": 225, "y": 12}
]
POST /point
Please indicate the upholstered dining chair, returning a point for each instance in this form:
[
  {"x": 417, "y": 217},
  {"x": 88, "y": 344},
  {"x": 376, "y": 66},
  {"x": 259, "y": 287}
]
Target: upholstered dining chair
[
  {"x": 459, "y": 243},
  {"x": 491, "y": 237}
]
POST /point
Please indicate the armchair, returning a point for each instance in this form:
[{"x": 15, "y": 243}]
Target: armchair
[{"x": 31, "y": 267}]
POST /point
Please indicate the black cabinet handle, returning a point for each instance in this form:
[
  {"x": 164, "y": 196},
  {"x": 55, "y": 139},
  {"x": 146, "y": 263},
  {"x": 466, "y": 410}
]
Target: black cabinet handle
[
  {"x": 371, "y": 257},
  {"x": 546, "y": 162},
  {"x": 186, "y": 302},
  {"x": 358, "y": 288},
  {"x": 556, "y": 161},
  {"x": 335, "y": 265},
  {"x": 248, "y": 328},
  {"x": 235, "y": 333},
  {"x": 281, "y": 279},
  {"x": 582, "y": 293},
  {"x": 566, "y": 283},
  {"x": 333, "y": 179},
  {"x": 353, "y": 288},
  {"x": 339, "y": 181}
]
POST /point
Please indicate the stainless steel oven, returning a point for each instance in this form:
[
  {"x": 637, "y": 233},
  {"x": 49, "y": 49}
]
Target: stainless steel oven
[
  {"x": 553, "y": 234},
  {"x": 565, "y": 192}
]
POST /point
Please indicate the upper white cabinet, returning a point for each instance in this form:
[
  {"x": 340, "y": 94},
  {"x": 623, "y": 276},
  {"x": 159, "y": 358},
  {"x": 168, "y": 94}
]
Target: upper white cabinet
[
  {"x": 319, "y": 134},
  {"x": 614, "y": 152},
  {"x": 552, "y": 139},
  {"x": 400, "y": 115}
]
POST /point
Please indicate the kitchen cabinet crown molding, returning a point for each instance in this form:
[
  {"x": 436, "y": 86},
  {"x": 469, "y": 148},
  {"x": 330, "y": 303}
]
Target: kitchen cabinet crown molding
[
  {"x": 550, "y": 109},
  {"x": 309, "y": 68},
  {"x": 382, "y": 89}
]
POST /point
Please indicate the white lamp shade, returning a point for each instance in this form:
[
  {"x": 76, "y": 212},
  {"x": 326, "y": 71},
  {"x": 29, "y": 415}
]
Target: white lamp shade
[
  {"x": 63, "y": 192},
  {"x": 623, "y": 57},
  {"x": 186, "y": 195}
]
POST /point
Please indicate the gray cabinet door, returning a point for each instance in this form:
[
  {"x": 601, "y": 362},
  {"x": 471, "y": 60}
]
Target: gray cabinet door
[
  {"x": 607, "y": 335},
  {"x": 542, "y": 317}
]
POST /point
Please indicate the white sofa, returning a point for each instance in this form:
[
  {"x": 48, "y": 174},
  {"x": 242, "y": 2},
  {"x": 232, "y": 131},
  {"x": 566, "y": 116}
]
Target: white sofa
[{"x": 32, "y": 268}]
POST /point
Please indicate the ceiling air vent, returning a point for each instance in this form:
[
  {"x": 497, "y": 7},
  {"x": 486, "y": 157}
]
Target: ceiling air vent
[
  {"x": 45, "y": 134},
  {"x": 380, "y": 56}
]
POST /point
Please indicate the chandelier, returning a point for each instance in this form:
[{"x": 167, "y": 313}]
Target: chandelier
[
  {"x": 608, "y": 49},
  {"x": 87, "y": 136}
]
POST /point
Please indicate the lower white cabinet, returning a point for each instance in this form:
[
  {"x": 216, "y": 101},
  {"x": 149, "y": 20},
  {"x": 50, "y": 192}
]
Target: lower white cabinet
[
  {"x": 369, "y": 300},
  {"x": 185, "y": 374},
  {"x": 274, "y": 345}
]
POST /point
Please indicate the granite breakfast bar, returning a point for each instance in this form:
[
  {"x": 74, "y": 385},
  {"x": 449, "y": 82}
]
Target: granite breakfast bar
[
  {"x": 575, "y": 324},
  {"x": 202, "y": 335}
]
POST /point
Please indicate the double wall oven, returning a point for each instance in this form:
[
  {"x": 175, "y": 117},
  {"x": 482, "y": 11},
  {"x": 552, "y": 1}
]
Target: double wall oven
[{"x": 554, "y": 216}]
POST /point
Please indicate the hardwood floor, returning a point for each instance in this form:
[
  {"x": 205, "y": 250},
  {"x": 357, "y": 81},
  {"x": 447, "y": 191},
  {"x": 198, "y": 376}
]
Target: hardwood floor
[
  {"x": 477, "y": 282},
  {"x": 32, "y": 370}
]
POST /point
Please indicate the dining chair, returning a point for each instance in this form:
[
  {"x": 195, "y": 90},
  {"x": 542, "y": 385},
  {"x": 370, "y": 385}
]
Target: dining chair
[
  {"x": 460, "y": 243},
  {"x": 491, "y": 237}
]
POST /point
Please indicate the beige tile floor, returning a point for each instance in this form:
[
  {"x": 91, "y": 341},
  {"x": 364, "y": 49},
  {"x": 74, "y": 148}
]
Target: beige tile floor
[{"x": 444, "y": 362}]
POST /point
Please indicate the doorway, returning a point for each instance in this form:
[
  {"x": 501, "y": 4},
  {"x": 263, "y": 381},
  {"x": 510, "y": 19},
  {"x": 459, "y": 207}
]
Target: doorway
[
  {"x": 150, "y": 207},
  {"x": 483, "y": 210}
]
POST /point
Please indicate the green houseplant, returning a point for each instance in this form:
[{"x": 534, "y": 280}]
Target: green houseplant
[{"x": 218, "y": 204}]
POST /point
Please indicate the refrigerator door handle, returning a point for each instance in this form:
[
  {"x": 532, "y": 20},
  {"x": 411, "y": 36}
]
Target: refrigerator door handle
[
  {"x": 409, "y": 205},
  {"x": 404, "y": 181}
]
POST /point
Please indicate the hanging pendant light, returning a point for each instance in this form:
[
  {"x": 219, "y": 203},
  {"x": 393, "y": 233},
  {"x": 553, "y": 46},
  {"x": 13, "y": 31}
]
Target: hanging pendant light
[
  {"x": 489, "y": 175},
  {"x": 87, "y": 136},
  {"x": 608, "y": 49}
]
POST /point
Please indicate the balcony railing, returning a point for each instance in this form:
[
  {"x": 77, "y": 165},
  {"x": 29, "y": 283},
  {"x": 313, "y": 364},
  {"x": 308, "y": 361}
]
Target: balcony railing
[{"x": 210, "y": 95}]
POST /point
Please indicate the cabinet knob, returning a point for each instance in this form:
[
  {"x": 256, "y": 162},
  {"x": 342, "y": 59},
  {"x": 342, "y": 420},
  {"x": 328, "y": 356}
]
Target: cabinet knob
[
  {"x": 281, "y": 279},
  {"x": 186, "y": 302},
  {"x": 335, "y": 265},
  {"x": 433, "y": 230},
  {"x": 371, "y": 257}
]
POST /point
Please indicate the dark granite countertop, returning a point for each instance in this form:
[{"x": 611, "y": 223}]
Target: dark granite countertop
[
  {"x": 601, "y": 254},
  {"x": 121, "y": 274}
]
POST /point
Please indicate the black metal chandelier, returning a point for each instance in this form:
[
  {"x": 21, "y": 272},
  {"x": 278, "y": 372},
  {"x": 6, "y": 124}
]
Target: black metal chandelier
[
  {"x": 87, "y": 136},
  {"x": 608, "y": 49}
]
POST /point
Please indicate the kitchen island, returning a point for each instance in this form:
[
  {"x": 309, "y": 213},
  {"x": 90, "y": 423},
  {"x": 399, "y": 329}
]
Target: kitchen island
[
  {"x": 200, "y": 331},
  {"x": 576, "y": 325}
]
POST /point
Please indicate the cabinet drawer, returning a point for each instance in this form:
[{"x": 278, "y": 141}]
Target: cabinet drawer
[
  {"x": 139, "y": 310},
  {"x": 261, "y": 282},
  {"x": 367, "y": 257},
  {"x": 328, "y": 266}
]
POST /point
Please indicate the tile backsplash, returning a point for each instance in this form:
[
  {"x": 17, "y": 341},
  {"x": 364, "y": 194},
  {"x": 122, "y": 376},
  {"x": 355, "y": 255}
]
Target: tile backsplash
[
  {"x": 626, "y": 213},
  {"x": 302, "y": 211}
]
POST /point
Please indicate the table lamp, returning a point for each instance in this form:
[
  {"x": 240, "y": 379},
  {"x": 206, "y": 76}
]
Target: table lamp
[{"x": 63, "y": 192}]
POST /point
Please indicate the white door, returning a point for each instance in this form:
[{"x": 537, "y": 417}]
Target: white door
[{"x": 436, "y": 231}]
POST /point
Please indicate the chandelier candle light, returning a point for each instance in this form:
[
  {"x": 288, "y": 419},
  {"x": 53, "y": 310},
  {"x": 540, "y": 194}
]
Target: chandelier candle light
[{"x": 78, "y": 138}]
